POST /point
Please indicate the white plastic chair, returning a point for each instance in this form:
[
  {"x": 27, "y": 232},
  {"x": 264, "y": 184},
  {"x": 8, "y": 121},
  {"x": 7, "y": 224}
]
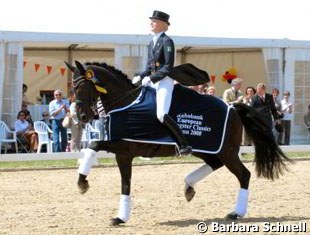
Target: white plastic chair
[
  {"x": 7, "y": 136},
  {"x": 44, "y": 133}
]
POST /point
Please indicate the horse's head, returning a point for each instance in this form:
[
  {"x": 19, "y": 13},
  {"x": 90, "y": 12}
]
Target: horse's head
[
  {"x": 87, "y": 90},
  {"x": 98, "y": 79}
]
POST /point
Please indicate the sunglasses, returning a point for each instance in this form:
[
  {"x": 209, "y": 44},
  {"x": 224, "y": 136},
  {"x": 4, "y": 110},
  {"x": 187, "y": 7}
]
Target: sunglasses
[{"x": 44, "y": 115}]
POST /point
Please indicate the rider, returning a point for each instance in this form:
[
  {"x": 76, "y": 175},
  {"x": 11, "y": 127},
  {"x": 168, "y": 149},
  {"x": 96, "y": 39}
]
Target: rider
[{"x": 161, "y": 55}]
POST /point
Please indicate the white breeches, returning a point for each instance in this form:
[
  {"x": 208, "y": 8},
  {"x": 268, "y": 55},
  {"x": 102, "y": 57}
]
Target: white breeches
[{"x": 164, "y": 89}]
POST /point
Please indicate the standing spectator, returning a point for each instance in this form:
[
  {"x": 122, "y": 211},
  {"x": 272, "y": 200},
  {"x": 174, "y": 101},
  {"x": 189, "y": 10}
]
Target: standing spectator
[
  {"x": 25, "y": 98},
  {"x": 25, "y": 130},
  {"x": 247, "y": 99},
  {"x": 307, "y": 119},
  {"x": 287, "y": 110},
  {"x": 233, "y": 94},
  {"x": 277, "y": 102},
  {"x": 58, "y": 109},
  {"x": 264, "y": 104},
  {"x": 210, "y": 90},
  {"x": 76, "y": 126}
]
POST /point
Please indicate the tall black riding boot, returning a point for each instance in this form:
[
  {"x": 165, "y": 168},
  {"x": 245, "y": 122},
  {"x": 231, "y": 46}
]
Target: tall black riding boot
[{"x": 185, "y": 149}]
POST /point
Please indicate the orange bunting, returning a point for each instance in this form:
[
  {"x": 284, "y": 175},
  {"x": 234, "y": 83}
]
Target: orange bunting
[
  {"x": 36, "y": 67},
  {"x": 49, "y": 69},
  {"x": 62, "y": 71},
  {"x": 213, "y": 78}
]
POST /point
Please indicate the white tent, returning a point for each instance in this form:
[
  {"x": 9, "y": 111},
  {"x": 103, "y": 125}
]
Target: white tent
[{"x": 37, "y": 59}]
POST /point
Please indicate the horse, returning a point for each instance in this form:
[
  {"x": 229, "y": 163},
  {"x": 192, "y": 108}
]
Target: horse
[{"x": 115, "y": 90}]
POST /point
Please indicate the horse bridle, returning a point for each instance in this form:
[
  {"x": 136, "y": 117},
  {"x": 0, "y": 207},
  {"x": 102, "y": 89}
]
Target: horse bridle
[
  {"x": 100, "y": 89},
  {"x": 92, "y": 102}
]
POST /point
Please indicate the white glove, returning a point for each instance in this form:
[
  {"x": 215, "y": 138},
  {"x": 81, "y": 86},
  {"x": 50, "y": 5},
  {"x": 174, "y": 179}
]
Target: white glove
[
  {"x": 136, "y": 79},
  {"x": 146, "y": 81}
]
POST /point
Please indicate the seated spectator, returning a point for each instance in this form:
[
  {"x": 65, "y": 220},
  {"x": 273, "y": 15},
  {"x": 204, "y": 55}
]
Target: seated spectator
[
  {"x": 25, "y": 130},
  {"x": 46, "y": 119}
]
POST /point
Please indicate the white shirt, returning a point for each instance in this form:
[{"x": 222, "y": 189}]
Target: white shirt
[
  {"x": 285, "y": 109},
  {"x": 155, "y": 38},
  {"x": 20, "y": 126}
]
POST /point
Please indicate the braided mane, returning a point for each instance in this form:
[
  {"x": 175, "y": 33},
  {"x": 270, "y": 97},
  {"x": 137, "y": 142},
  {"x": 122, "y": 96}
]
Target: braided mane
[{"x": 112, "y": 69}]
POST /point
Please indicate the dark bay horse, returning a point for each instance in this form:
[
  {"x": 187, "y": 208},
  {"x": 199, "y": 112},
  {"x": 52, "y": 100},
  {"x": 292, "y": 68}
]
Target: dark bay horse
[{"x": 115, "y": 90}]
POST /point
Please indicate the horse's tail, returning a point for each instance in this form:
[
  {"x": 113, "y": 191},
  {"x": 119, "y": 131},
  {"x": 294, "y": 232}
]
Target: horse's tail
[{"x": 269, "y": 158}]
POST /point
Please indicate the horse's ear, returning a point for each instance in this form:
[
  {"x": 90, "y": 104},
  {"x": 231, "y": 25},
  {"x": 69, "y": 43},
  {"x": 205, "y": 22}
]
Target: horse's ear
[
  {"x": 71, "y": 67},
  {"x": 80, "y": 67}
]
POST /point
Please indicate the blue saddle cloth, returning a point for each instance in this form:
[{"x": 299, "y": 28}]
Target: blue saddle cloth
[{"x": 202, "y": 119}]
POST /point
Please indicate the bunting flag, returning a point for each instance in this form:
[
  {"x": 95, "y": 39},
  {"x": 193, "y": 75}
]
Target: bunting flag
[
  {"x": 49, "y": 69},
  {"x": 213, "y": 78},
  {"x": 62, "y": 71},
  {"x": 25, "y": 63},
  {"x": 36, "y": 67}
]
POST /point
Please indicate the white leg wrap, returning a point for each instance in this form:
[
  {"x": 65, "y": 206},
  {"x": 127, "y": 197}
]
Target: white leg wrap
[
  {"x": 198, "y": 174},
  {"x": 87, "y": 162},
  {"x": 124, "y": 207},
  {"x": 242, "y": 203}
]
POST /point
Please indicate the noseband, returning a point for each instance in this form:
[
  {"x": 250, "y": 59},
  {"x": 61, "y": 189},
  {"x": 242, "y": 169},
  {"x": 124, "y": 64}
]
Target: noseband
[{"x": 91, "y": 101}]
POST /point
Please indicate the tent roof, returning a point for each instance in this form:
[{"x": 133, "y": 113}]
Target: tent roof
[{"x": 109, "y": 41}]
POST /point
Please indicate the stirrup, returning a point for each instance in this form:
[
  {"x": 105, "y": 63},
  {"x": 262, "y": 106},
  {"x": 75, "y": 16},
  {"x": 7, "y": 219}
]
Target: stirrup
[{"x": 185, "y": 150}]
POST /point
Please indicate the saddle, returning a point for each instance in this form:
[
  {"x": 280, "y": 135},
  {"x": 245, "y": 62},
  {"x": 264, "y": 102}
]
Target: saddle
[{"x": 202, "y": 119}]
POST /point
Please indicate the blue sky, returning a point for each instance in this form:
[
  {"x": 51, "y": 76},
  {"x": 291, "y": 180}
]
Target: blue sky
[{"x": 211, "y": 18}]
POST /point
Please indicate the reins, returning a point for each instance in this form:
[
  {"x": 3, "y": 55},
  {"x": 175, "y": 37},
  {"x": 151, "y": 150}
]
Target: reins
[
  {"x": 106, "y": 104},
  {"x": 120, "y": 98}
]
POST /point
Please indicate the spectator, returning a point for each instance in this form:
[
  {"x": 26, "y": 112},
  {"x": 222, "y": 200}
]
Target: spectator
[
  {"x": 277, "y": 102},
  {"x": 233, "y": 94},
  {"x": 307, "y": 118},
  {"x": 58, "y": 109},
  {"x": 25, "y": 98},
  {"x": 287, "y": 110},
  {"x": 76, "y": 126},
  {"x": 25, "y": 130},
  {"x": 264, "y": 104},
  {"x": 210, "y": 90},
  {"x": 247, "y": 99},
  {"x": 46, "y": 119},
  {"x": 28, "y": 115}
]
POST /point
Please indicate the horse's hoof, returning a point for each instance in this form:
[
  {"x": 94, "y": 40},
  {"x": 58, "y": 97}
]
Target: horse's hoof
[
  {"x": 232, "y": 216},
  {"x": 189, "y": 193},
  {"x": 83, "y": 186},
  {"x": 116, "y": 221}
]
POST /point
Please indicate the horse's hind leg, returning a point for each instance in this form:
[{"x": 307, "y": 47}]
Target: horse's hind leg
[
  {"x": 212, "y": 163},
  {"x": 235, "y": 166},
  {"x": 85, "y": 166},
  {"x": 124, "y": 163}
]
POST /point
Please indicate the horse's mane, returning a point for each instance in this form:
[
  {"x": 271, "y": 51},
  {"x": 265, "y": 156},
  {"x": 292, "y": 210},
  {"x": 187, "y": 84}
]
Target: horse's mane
[{"x": 112, "y": 69}]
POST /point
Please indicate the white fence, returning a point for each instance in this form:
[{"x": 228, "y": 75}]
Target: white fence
[{"x": 104, "y": 154}]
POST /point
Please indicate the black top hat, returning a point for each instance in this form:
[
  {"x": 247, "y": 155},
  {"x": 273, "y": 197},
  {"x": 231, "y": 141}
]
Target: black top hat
[{"x": 159, "y": 15}]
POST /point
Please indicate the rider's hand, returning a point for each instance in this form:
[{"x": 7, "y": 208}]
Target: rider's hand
[
  {"x": 146, "y": 81},
  {"x": 136, "y": 79}
]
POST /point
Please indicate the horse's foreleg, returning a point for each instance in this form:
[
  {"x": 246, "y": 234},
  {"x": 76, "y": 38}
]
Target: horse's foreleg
[
  {"x": 85, "y": 166},
  {"x": 234, "y": 165},
  {"x": 125, "y": 166},
  {"x": 194, "y": 177}
]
